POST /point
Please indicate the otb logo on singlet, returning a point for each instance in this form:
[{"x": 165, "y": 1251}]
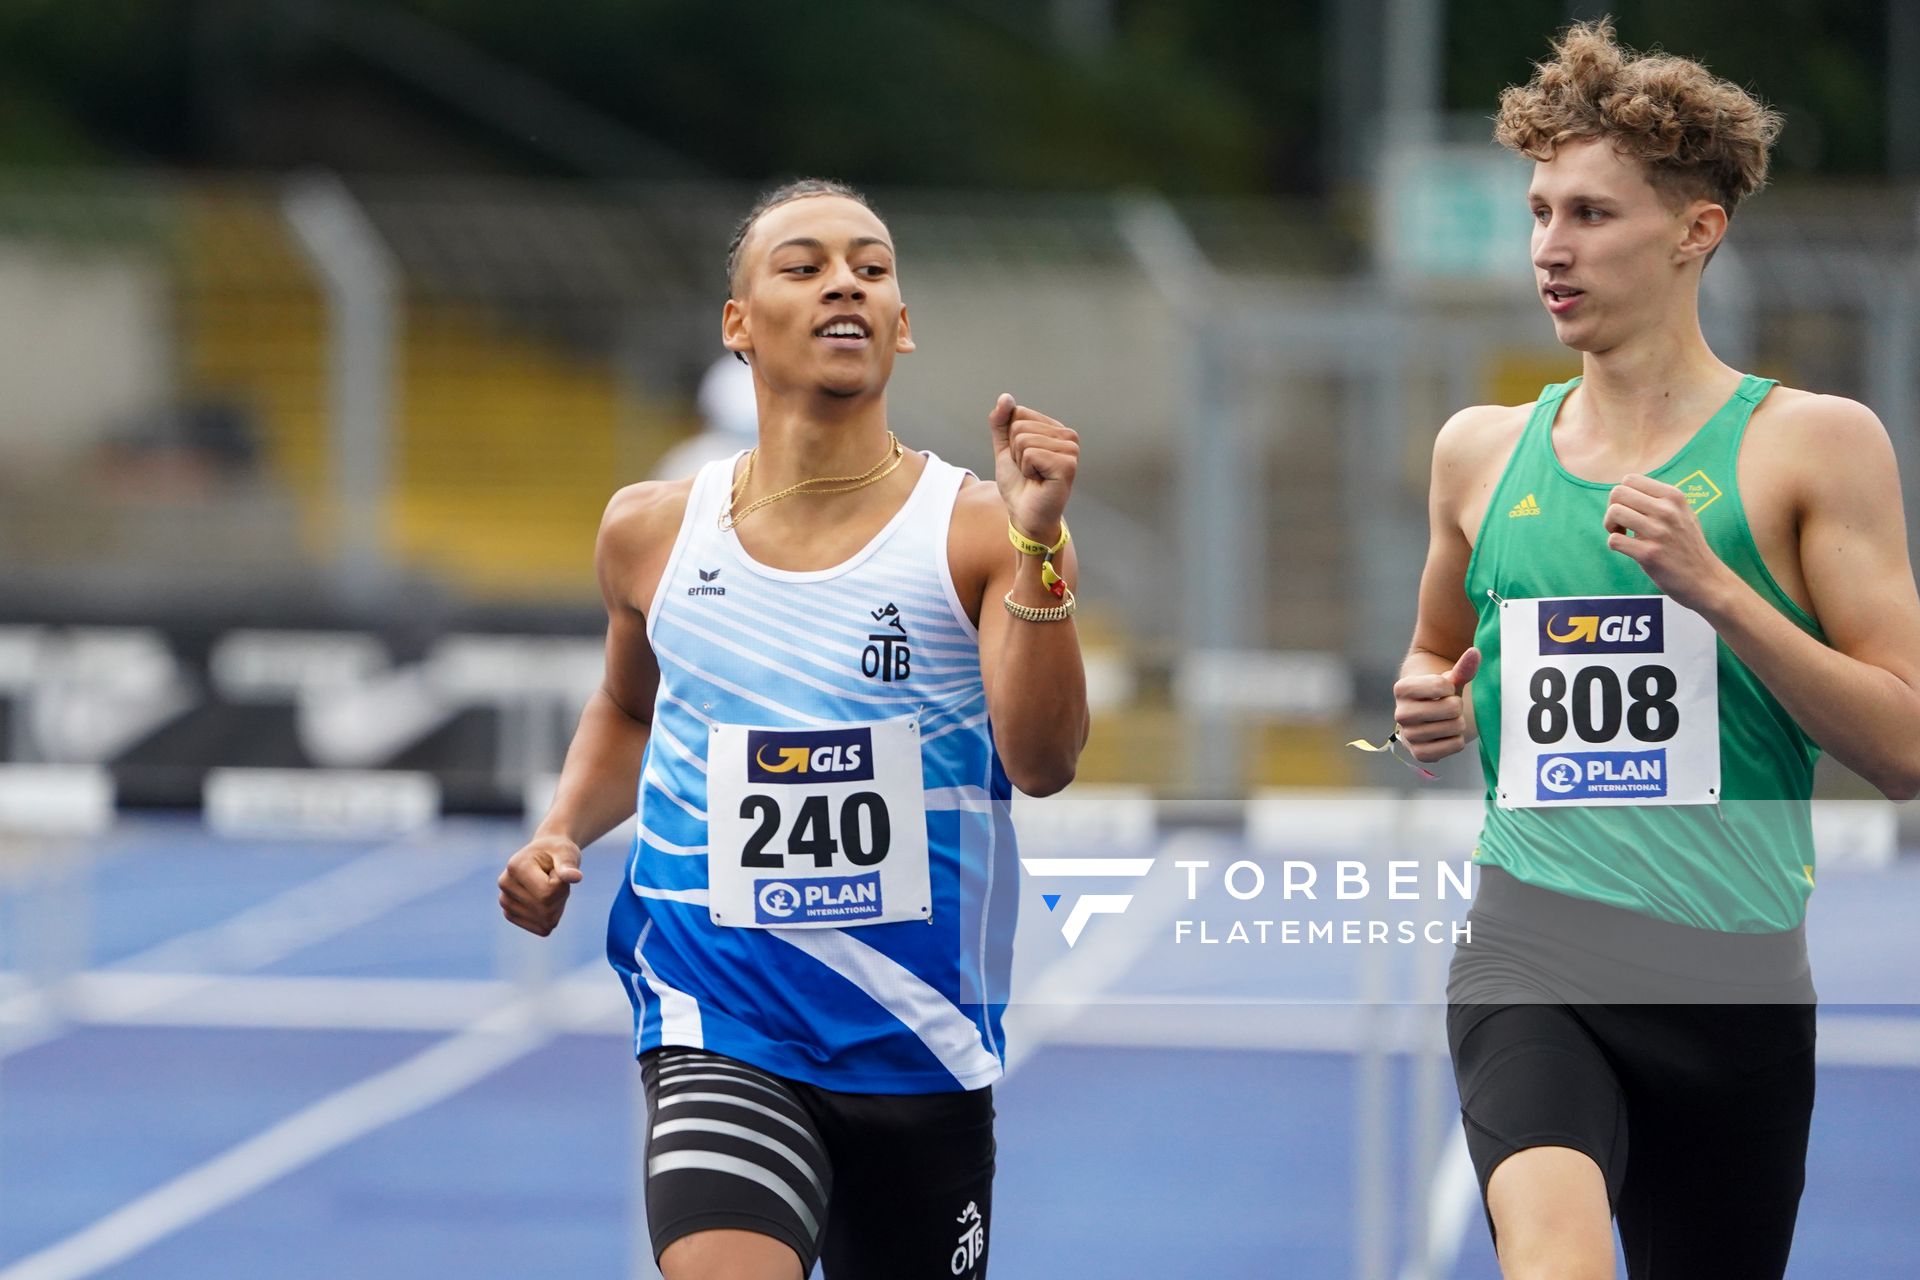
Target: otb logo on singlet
[
  {"x": 809, "y": 755},
  {"x": 886, "y": 657},
  {"x": 1616, "y": 625}
]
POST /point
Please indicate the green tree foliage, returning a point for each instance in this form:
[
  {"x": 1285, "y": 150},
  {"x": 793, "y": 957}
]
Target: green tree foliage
[{"x": 1188, "y": 96}]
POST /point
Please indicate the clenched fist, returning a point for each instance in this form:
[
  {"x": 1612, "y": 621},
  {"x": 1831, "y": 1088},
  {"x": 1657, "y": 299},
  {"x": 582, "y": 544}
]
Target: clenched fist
[
  {"x": 1034, "y": 460},
  {"x": 534, "y": 887},
  {"x": 1651, "y": 523},
  {"x": 1429, "y": 713}
]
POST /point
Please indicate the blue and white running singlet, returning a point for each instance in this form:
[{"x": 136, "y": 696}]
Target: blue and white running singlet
[{"x": 802, "y": 894}]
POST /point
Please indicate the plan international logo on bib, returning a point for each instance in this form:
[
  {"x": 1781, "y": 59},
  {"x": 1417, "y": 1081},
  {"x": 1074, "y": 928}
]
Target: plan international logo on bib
[
  {"x": 809, "y": 755},
  {"x": 1604, "y": 625},
  {"x": 843, "y": 899},
  {"x": 1610, "y": 775}
]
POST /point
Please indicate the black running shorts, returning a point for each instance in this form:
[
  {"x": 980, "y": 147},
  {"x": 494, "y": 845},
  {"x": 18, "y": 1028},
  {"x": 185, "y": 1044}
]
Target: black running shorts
[
  {"x": 1696, "y": 1113},
  {"x": 872, "y": 1186}
]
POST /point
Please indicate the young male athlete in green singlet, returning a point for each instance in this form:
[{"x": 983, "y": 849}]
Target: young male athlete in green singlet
[{"x": 1671, "y": 584}]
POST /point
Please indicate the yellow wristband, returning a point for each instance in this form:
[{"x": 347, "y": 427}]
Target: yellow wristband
[{"x": 1034, "y": 547}]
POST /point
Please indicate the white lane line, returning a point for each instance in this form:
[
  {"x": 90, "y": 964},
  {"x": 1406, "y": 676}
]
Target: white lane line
[
  {"x": 275, "y": 1003},
  {"x": 490, "y": 1044},
  {"x": 341, "y": 900},
  {"x": 311, "y": 912},
  {"x": 1453, "y": 1194}
]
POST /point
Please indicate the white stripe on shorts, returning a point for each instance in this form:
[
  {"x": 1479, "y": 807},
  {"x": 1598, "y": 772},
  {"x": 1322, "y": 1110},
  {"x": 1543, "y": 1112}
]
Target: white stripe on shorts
[
  {"x": 731, "y": 1130},
  {"x": 715, "y": 1162}
]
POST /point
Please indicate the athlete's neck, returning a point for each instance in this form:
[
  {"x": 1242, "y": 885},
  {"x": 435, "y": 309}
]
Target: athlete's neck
[
  {"x": 1660, "y": 382},
  {"x": 816, "y": 436}
]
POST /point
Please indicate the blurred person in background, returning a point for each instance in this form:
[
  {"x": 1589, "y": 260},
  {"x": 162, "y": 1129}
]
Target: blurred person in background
[
  {"x": 1677, "y": 583},
  {"x": 825, "y": 669},
  {"x": 729, "y": 416}
]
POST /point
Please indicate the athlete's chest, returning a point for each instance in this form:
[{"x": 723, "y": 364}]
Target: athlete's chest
[
  {"x": 1546, "y": 527},
  {"x": 885, "y": 630}
]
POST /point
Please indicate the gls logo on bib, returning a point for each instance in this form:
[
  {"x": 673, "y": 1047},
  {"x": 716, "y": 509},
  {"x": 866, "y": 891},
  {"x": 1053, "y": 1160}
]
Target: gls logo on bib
[
  {"x": 1617, "y": 625},
  {"x": 809, "y": 755}
]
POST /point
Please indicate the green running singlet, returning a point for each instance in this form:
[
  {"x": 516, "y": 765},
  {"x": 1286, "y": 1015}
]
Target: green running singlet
[{"x": 1741, "y": 865}]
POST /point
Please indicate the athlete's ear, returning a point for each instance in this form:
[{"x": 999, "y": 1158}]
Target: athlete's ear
[
  {"x": 1705, "y": 225},
  {"x": 903, "y": 339},
  {"x": 735, "y": 333}
]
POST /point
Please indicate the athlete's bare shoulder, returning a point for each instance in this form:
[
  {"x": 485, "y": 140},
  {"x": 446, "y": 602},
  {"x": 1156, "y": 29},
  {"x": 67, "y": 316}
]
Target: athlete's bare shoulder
[
  {"x": 645, "y": 510},
  {"x": 979, "y": 509},
  {"x": 1793, "y": 427},
  {"x": 1816, "y": 420},
  {"x": 1469, "y": 454},
  {"x": 1480, "y": 431},
  {"x": 977, "y": 537},
  {"x": 636, "y": 538}
]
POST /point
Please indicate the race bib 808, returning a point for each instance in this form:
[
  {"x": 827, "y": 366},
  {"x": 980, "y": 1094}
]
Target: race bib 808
[{"x": 1607, "y": 700}]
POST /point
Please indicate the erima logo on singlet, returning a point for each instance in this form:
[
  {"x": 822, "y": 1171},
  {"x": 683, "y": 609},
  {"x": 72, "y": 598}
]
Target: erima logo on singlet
[
  {"x": 706, "y": 587},
  {"x": 1527, "y": 506},
  {"x": 1600, "y": 626},
  {"x": 1700, "y": 491},
  {"x": 809, "y": 755}
]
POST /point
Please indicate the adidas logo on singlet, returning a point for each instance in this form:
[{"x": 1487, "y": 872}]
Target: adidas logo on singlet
[{"x": 1527, "y": 506}]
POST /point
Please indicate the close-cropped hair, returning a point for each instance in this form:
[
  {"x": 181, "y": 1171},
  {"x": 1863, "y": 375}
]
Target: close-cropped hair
[
  {"x": 799, "y": 189},
  {"x": 1699, "y": 136}
]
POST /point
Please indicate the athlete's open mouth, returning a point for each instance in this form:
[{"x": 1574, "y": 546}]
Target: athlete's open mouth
[
  {"x": 1561, "y": 298},
  {"x": 844, "y": 327}
]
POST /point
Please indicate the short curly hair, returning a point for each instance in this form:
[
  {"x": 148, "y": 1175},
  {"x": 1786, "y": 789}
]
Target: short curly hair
[
  {"x": 798, "y": 189},
  {"x": 1699, "y": 136}
]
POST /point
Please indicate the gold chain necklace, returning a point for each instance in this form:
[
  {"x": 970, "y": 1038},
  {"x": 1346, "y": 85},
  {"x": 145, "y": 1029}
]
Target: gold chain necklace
[{"x": 819, "y": 484}]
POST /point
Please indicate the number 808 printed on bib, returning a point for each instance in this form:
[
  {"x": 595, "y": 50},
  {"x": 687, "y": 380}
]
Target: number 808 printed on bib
[
  {"x": 1607, "y": 701},
  {"x": 816, "y": 828}
]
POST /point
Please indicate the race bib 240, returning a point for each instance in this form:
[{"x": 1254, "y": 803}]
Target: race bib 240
[{"x": 816, "y": 828}]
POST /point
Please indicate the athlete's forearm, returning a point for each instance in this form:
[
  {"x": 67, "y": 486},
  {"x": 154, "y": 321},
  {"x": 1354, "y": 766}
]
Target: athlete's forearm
[
  {"x": 601, "y": 776},
  {"x": 1038, "y": 698},
  {"x": 1861, "y": 715}
]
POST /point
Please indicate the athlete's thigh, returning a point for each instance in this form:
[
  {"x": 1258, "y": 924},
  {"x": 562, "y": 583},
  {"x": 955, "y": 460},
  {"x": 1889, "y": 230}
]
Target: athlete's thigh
[
  {"x": 730, "y": 1148},
  {"x": 1720, "y": 1142},
  {"x": 913, "y": 1184},
  {"x": 1532, "y": 1076}
]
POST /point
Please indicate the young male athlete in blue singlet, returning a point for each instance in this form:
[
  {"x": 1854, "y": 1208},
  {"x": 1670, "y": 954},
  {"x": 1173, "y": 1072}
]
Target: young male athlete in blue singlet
[
  {"x": 1671, "y": 585},
  {"x": 825, "y": 668}
]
